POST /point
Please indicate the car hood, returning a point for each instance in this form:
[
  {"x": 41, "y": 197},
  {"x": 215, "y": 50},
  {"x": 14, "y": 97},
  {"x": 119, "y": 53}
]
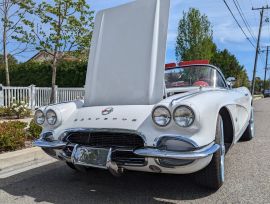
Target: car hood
[
  {"x": 120, "y": 117},
  {"x": 126, "y": 63}
]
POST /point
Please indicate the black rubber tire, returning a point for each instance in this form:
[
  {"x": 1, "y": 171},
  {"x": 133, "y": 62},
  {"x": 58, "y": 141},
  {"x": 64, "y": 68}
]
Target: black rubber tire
[
  {"x": 247, "y": 136},
  {"x": 72, "y": 166},
  {"x": 249, "y": 132},
  {"x": 211, "y": 176}
]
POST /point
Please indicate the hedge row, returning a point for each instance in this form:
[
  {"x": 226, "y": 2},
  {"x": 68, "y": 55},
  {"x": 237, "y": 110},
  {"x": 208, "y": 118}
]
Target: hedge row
[{"x": 69, "y": 74}]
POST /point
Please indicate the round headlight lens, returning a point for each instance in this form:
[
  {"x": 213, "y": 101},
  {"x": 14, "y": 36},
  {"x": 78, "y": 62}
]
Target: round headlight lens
[
  {"x": 161, "y": 116},
  {"x": 51, "y": 117},
  {"x": 39, "y": 117},
  {"x": 183, "y": 116}
]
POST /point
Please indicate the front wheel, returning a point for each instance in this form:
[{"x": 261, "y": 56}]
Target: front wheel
[
  {"x": 249, "y": 133},
  {"x": 213, "y": 175}
]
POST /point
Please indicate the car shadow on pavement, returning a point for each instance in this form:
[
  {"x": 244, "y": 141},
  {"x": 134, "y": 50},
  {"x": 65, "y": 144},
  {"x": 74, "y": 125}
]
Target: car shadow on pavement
[{"x": 56, "y": 183}]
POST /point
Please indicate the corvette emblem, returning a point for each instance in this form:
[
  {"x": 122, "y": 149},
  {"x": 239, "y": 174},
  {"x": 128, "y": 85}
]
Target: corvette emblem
[{"x": 107, "y": 111}]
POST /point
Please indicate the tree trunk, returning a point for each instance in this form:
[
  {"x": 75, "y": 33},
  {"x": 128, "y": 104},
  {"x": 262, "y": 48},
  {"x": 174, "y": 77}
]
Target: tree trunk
[
  {"x": 5, "y": 49},
  {"x": 6, "y": 63},
  {"x": 54, "y": 66},
  {"x": 55, "y": 57}
]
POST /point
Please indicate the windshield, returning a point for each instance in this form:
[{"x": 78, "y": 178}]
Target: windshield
[{"x": 197, "y": 76}]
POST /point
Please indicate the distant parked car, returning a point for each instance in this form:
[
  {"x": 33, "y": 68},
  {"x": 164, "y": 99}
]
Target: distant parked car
[{"x": 266, "y": 93}]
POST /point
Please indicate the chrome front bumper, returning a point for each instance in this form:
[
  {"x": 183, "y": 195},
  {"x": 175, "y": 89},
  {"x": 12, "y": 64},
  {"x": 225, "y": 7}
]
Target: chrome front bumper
[
  {"x": 149, "y": 152},
  {"x": 188, "y": 155},
  {"x": 46, "y": 144}
]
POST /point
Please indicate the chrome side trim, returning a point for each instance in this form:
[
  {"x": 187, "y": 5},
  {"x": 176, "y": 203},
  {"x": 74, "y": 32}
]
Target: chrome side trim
[
  {"x": 45, "y": 144},
  {"x": 181, "y": 98},
  {"x": 189, "y": 155},
  {"x": 187, "y": 96}
]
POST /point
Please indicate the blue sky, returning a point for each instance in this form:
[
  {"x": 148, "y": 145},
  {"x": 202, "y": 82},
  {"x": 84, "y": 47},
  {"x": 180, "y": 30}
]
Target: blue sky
[{"x": 226, "y": 33}]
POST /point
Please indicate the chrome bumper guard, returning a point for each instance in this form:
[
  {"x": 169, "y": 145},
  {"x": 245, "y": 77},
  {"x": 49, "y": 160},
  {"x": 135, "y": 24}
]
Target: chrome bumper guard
[{"x": 191, "y": 155}]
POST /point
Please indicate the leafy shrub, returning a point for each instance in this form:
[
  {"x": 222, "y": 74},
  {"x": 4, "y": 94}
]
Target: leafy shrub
[
  {"x": 5, "y": 112},
  {"x": 20, "y": 109},
  {"x": 12, "y": 135},
  {"x": 2, "y": 111},
  {"x": 34, "y": 130},
  {"x": 17, "y": 109}
]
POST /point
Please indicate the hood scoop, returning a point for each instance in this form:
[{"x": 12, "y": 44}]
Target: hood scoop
[{"x": 126, "y": 64}]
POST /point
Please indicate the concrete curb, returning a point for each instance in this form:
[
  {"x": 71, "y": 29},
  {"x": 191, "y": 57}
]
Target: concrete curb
[{"x": 22, "y": 160}]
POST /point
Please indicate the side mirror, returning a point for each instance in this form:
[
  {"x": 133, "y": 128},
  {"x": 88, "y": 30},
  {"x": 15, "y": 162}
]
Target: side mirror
[{"x": 231, "y": 81}]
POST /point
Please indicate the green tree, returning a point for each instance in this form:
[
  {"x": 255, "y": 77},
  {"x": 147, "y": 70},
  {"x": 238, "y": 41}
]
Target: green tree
[
  {"x": 11, "y": 61},
  {"x": 267, "y": 84},
  {"x": 61, "y": 26},
  {"x": 12, "y": 17},
  {"x": 230, "y": 67},
  {"x": 195, "y": 37},
  {"x": 258, "y": 85}
]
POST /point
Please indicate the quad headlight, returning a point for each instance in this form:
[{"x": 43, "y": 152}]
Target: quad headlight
[
  {"x": 161, "y": 116},
  {"x": 183, "y": 116},
  {"x": 39, "y": 117},
  {"x": 51, "y": 117}
]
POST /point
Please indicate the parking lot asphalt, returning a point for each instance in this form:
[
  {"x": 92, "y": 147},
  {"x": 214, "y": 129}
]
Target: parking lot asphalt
[{"x": 247, "y": 179}]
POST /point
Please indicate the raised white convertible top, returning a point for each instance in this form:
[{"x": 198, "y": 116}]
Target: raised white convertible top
[{"x": 126, "y": 64}]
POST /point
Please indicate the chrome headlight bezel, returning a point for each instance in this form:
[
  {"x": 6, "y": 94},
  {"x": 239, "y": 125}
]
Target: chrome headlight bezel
[
  {"x": 49, "y": 111},
  {"x": 36, "y": 117},
  {"x": 187, "y": 108},
  {"x": 168, "y": 114}
]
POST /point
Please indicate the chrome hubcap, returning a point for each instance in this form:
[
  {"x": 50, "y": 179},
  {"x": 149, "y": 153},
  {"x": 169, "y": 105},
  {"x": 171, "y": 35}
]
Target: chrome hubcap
[{"x": 252, "y": 126}]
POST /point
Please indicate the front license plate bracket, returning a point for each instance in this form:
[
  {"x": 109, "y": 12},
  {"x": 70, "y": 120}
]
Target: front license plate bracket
[{"x": 90, "y": 156}]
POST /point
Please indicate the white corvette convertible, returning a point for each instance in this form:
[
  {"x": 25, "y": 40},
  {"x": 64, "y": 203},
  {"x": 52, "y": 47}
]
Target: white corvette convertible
[{"x": 134, "y": 118}]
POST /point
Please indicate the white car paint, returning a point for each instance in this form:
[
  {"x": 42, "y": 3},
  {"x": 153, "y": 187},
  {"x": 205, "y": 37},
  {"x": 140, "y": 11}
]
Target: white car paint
[
  {"x": 206, "y": 103},
  {"x": 138, "y": 117},
  {"x": 133, "y": 87}
]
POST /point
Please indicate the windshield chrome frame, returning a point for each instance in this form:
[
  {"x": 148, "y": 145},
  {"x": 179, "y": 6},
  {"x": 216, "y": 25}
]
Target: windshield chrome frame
[{"x": 216, "y": 69}]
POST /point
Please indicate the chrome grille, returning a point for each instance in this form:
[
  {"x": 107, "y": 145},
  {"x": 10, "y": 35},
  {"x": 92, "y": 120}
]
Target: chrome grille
[{"x": 106, "y": 139}]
